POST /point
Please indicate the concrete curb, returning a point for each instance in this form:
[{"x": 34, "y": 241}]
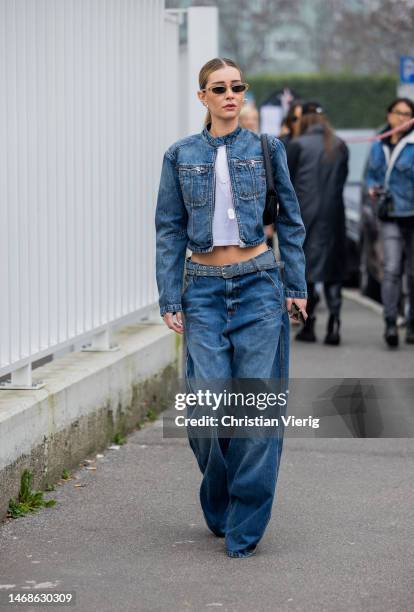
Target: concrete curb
[
  {"x": 87, "y": 399},
  {"x": 363, "y": 300}
]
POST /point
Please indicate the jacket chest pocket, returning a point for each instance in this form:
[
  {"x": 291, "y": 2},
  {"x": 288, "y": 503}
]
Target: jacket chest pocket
[
  {"x": 250, "y": 178},
  {"x": 194, "y": 183},
  {"x": 405, "y": 167}
]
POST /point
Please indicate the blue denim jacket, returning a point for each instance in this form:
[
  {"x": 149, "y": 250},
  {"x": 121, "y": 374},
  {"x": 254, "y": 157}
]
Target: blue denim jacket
[
  {"x": 401, "y": 177},
  {"x": 185, "y": 207}
]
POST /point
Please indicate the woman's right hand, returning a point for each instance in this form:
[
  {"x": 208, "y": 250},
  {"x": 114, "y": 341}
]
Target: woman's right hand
[
  {"x": 174, "y": 320},
  {"x": 372, "y": 192}
]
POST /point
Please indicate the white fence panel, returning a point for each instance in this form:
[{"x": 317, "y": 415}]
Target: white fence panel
[{"x": 85, "y": 93}]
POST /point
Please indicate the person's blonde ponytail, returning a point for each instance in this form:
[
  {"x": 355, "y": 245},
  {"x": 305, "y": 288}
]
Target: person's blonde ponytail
[
  {"x": 207, "y": 69},
  {"x": 207, "y": 119}
]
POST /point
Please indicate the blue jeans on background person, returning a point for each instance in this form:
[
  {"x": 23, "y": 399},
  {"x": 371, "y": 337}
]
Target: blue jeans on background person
[{"x": 236, "y": 325}]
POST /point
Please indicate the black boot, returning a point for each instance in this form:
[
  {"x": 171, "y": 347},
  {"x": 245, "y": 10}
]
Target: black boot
[
  {"x": 409, "y": 338},
  {"x": 391, "y": 332},
  {"x": 332, "y": 333},
  {"x": 307, "y": 333}
]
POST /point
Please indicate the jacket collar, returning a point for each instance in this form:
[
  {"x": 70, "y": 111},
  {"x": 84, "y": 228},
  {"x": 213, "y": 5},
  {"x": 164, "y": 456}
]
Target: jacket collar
[
  {"x": 391, "y": 159},
  {"x": 221, "y": 140},
  {"x": 408, "y": 138}
]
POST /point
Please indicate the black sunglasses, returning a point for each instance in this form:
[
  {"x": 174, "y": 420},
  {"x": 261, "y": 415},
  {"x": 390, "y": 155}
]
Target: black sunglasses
[{"x": 221, "y": 89}]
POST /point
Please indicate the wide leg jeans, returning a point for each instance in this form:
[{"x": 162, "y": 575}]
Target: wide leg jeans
[{"x": 236, "y": 326}]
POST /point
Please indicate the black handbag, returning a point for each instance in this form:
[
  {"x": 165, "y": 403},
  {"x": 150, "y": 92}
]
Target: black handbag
[
  {"x": 271, "y": 209},
  {"x": 384, "y": 204},
  {"x": 384, "y": 200}
]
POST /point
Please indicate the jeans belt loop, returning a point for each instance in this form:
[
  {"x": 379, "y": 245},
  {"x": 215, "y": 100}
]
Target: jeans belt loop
[{"x": 255, "y": 264}]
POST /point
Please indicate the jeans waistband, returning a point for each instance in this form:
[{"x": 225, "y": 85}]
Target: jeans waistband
[{"x": 264, "y": 261}]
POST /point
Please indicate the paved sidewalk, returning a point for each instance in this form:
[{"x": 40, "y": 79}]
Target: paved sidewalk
[
  {"x": 362, "y": 353},
  {"x": 133, "y": 539}
]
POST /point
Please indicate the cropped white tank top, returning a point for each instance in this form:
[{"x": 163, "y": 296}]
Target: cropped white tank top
[{"x": 225, "y": 228}]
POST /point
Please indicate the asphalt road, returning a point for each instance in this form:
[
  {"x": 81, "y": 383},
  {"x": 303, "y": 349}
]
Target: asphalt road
[{"x": 134, "y": 539}]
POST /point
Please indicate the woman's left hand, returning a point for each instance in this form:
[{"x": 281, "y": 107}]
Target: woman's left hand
[{"x": 300, "y": 303}]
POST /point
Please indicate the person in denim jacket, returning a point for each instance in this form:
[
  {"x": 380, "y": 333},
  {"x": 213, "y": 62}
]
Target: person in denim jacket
[
  {"x": 391, "y": 166},
  {"x": 231, "y": 299}
]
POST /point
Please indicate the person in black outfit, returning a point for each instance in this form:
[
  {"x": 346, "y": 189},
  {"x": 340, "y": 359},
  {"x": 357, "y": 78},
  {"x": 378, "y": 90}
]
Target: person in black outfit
[{"x": 318, "y": 165}]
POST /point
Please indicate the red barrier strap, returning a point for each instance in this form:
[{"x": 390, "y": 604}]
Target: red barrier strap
[{"x": 400, "y": 128}]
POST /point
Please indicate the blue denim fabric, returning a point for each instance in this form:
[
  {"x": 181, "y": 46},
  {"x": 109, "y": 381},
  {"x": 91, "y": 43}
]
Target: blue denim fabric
[
  {"x": 185, "y": 207},
  {"x": 401, "y": 182},
  {"x": 236, "y": 326}
]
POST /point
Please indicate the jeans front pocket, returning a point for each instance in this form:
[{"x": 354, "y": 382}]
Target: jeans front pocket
[
  {"x": 187, "y": 283},
  {"x": 272, "y": 278}
]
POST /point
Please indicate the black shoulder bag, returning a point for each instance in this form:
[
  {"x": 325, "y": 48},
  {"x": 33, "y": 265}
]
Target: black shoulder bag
[
  {"x": 271, "y": 209},
  {"x": 384, "y": 199}
]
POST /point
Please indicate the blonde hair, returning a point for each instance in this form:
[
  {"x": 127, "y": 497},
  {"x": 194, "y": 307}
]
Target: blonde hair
[{"x": 211, "y": 66}]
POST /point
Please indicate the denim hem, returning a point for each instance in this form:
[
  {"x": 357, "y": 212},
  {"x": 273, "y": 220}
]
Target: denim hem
[
  {"x": 196, "y": 249},
  {"x": 240, "y": 554},
  {"x": 296, "y": 294},
  {"x": 170, "y": 308}
]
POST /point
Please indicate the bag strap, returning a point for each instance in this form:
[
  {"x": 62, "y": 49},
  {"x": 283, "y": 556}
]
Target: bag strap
[
  {"x": 270, "y": 183},
  {"x": 272, "y": 200}
]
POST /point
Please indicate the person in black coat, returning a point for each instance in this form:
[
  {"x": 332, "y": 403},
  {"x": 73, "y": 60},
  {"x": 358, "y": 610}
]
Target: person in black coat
[{"x": 318, "y": 164}]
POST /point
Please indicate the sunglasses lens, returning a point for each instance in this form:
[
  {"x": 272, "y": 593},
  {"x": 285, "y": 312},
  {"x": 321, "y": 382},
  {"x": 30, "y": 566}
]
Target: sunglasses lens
[{"x": 219, "y": 89}]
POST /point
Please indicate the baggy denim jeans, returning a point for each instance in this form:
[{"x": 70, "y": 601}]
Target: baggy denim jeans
[{"x": 236, "y": 325}]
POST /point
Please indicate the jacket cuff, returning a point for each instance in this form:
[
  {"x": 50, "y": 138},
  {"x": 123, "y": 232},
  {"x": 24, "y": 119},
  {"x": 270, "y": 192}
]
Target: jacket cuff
[
  {"x": 170, "y": 308},
  {"x": 289, "y": 293}
]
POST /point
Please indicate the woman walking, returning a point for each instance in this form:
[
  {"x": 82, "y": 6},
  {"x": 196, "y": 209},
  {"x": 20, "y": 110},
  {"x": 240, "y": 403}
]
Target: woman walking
[
  {"x": 318, "y": 164},
  {"x": 234, "y": 306},
  {"x": 391, "y": 169}
]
